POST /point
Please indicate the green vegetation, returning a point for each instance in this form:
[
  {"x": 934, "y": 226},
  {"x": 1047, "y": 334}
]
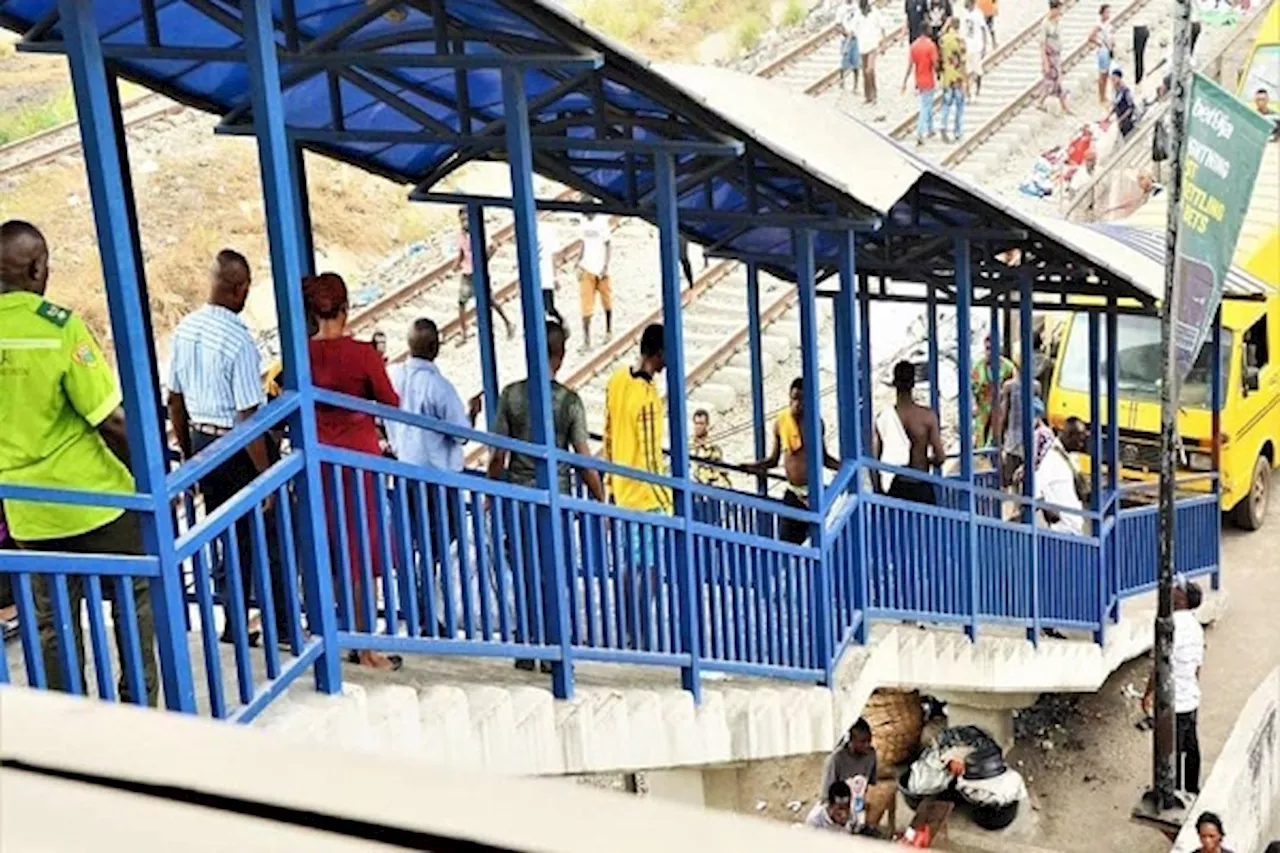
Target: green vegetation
[
  {"x": 749, "y": 32},
  {"x": 793, "y": 14},
  {"x": 626, "y": 20},
  {"x": 30, "y": 119}
]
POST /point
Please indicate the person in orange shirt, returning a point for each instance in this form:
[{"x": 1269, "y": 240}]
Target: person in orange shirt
[
  {"x": 988, "y": 9},
  {"x": 922, "y": 61}
]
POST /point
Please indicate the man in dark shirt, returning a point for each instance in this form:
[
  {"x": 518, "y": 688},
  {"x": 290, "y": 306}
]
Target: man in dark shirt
[
  {"x": 1122, "y": 104},
  {"x": 568, "y": 416}
]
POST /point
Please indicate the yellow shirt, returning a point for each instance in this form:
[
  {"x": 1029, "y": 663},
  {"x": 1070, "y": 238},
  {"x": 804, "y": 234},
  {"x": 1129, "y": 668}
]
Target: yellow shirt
[
  {"x": 789, "y": 434},
  {"x": 56, "y": 387},
  {"x": 634, "y": 424}
]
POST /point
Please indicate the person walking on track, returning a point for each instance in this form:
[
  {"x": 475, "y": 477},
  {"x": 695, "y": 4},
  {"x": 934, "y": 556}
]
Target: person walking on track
[
  {"x": 922, "y": 62},
  {"x": 1051, "y": 84}
]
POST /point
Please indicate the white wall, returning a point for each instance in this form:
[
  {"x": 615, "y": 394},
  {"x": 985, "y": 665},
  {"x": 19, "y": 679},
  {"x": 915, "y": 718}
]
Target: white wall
[{"x": 1244, "y": 787}]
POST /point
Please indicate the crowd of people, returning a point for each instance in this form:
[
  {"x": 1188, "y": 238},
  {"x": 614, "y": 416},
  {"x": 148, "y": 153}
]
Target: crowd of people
[{"x": 946, "y": 50}]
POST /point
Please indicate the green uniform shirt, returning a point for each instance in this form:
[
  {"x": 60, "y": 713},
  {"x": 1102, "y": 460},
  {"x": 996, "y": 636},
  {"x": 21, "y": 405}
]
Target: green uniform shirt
[
  {"x": 56, "y": 387},
  {"x": 512, "y": 420}
]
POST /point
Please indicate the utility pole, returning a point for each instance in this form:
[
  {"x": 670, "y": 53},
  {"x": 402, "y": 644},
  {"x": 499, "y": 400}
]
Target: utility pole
[{"x": 1162, "y": 795}]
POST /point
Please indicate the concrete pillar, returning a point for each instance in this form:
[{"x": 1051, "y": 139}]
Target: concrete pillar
[
  {"x": 992, "y": 712},
  {"x": 676, "y": 786}
]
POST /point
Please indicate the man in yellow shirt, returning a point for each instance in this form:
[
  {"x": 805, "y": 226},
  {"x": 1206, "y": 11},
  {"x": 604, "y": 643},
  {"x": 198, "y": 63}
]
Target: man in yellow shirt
[
  {"x": 634, "y": 424},
  {"x": 63, "y": 429},
  {"x": 788, "y": 445}
]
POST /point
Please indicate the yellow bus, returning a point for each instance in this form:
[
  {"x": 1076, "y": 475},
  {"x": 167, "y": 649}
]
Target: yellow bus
[{"x": 1250, "y": 423}]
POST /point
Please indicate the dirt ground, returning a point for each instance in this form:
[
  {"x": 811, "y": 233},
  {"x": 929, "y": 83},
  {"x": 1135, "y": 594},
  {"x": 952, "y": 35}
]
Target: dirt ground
[
  {"x": 1084, "y": 762},
  {"x": 27, "y": 78}
]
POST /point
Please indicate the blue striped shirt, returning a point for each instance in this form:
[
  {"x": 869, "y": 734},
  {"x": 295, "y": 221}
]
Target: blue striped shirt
[{"x": 216, "y": 366}]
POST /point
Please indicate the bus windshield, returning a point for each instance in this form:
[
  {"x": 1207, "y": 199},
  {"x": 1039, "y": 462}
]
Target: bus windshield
[{"x": 1137, "y": 361}]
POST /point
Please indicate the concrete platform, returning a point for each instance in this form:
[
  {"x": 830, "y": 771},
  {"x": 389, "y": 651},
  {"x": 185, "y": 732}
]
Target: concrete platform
[{"x": 484, "y": 714}]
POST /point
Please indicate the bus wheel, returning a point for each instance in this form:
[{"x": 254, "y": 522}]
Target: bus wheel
[{"x": 1251, "y": 512}]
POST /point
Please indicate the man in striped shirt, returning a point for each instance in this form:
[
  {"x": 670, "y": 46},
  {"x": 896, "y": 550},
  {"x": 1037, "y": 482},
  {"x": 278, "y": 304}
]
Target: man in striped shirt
[{"x": 215, "y": 382}]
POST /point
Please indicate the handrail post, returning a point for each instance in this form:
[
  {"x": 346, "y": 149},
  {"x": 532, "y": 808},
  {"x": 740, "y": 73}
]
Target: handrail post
[
  {"x": 964, "y": 357},
  {"x": 1113, "y": 448},
  {"x": 1026, "y": 297},
  {"x": 821, "y": 593},
  {"x": 105, "y": 154},
  {"x": 1095, "y": 457},
  {"x": 860, "y": 395},
  {"x": 275, "y": 157},
  {"x": 551, "y": 570},
  {"x": 689, "y": 583}
]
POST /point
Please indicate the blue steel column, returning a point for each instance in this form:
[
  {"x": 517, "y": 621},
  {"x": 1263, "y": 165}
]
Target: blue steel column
[
  {"x": 302, "y": 204},
  {"x": 276, "y": 163},
  {"x": 1026, "y": 297},
  {"x": 550, "y": 525},
  {"x": 677, "y": 409},
  {"x": 822, "y": 592},
  {"x": 1215, "y": 437},
  {"x": 484, "y": 309},
  {"x": 964, "y": 357},
  {"x": 757, "y": 369},
  {"x": 1095, "y": 454},
  {"x": 1113, "y": 445},
  {"x": 860, "y": 397},
  {"x": 102, "y": 158},
  {"x": 864, "y": 357},
  {"x": 847, "y": 391},
  {"x": 935, "y": 396},
  {"x": 993, "y": 362}
]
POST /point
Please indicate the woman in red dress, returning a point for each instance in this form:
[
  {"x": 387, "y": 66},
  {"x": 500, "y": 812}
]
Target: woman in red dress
[{"x": 341, "y": 363}]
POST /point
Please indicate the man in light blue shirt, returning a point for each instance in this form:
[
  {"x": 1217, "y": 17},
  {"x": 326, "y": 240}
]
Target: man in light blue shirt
[{"x": 424, "y": 390}]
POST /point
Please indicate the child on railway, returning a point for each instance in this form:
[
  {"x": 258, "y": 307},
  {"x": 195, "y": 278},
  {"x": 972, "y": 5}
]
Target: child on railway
[
  {"x": 1103, "y": 38},
  {"x": 466, "y": 280}
]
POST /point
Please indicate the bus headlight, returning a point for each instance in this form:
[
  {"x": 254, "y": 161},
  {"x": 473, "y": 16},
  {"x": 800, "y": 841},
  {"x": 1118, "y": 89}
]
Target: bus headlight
[{"x": 1198, "y": 461}]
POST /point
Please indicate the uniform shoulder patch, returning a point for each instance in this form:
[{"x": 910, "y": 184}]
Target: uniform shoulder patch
[{"x": 55, "y": 314}]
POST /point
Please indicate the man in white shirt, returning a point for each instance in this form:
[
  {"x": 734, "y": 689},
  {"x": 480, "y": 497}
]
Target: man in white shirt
[
  {"x": 1055, "y": 480},
  {"x": 835, "y": 813},
  {"x": 593, "y": 274},
  {"x": 973, "y": 27},
  {"x": 1188, "y": 656},
  {"x": 547, "y": 248}
]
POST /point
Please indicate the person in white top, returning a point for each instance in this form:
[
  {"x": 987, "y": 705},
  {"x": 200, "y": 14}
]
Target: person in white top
[
  {"x": 835, "y": 813},
  {"x": 973, "y": 27},
  {"x": 547, "y": 247},
  {"x": 847, "y": 17},
  {"x": 1103, "y": 38},
  {"x": 593, "y": 274},
  {"x": 1188, "y": 656},
  {"x": 1056, "y": 475},
  {"x": 870, "y": 31}
]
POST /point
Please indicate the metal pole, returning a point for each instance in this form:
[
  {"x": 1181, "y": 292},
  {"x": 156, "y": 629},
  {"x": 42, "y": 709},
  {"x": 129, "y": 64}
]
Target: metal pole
[
  {"x": 484, "y": 309},
  {"x": 1162, "y": 774},
  {"x": 757, "y": 369},
  {"x": 964, "y": 359}
]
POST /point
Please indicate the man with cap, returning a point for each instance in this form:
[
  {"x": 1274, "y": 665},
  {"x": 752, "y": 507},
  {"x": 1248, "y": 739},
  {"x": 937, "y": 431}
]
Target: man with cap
[
  {"x": 64, "y": 429},
  {"x": 1188, "y": 656}
]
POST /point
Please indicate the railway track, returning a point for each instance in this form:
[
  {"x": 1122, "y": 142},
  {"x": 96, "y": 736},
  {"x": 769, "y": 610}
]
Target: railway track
[{"x": 64, "y": 139}]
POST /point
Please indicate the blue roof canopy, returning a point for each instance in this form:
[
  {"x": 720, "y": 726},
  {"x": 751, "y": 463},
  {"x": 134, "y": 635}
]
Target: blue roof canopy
[{"x": 412, "y": 91}]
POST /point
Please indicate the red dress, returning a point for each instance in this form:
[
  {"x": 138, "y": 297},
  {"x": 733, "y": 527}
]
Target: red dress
[{"x": 351, "y": 367}]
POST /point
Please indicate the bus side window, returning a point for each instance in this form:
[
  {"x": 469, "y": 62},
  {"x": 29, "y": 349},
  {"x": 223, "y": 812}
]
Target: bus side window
[{"x": 1257, "y": 354}]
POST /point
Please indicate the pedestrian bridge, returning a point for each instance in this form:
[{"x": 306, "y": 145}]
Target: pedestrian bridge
[{"x": 460, "y": 567}]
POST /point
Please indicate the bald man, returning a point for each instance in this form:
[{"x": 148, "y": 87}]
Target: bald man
[
  {"x": 215, "y": 383},
  {"x": 64, "y": 428}
]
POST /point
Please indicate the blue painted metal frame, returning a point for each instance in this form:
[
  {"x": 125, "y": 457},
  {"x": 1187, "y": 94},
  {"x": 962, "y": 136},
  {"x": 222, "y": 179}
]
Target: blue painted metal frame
[
  {"x": 484, "y": 309},
  {"x": 102, "y": 154},
  {"x": 964, "y": 352},
  {"x": 1026, "y": 386}
]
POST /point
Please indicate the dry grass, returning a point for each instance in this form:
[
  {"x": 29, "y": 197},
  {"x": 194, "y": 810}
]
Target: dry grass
[
  {"x": 793, "y": 14},
  {"x": 747, "y": 35}
]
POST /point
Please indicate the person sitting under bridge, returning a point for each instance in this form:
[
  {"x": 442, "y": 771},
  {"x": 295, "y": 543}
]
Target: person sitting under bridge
[
  {"x": 854, "y": 763},
  {"x": 788, "y": 435},
  {"x": 835, "y": 813}
]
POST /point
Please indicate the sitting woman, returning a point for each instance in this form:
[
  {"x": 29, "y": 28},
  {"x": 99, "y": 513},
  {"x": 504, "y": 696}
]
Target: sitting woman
[{"x": 341, "y": 363}]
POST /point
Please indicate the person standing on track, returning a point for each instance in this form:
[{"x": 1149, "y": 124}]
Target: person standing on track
[
  {"x": 939, "y": 14},
  {"x": 917, "y": 12},
  {"x": 1103, "y": 38},
  {"x": 1051, "y": 85},
  {"x": 989, "y": 9},
  {"x": 466, "y": 282},
  {"x": 593, "y": 274},
  {"x": 547, "y": 272},
  {"x": 850, "y": 56},
  {"x": 955, "y": 78},
  {"x": 974, "y": 30},
  {"x": 870, "y": 37},
  {"x": 64, "y": 428},
  {"x": 922, "y": 61}
]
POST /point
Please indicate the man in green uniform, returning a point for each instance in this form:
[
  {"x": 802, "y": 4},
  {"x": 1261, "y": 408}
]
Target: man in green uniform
[{"x": 63, "y": 429}]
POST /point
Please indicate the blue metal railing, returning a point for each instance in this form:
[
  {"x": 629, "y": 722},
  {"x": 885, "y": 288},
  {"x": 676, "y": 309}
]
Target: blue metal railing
[{"x": 433, "y": 562}]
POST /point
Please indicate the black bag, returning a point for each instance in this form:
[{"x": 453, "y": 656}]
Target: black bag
[{"x": 1160, "y": 142}]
